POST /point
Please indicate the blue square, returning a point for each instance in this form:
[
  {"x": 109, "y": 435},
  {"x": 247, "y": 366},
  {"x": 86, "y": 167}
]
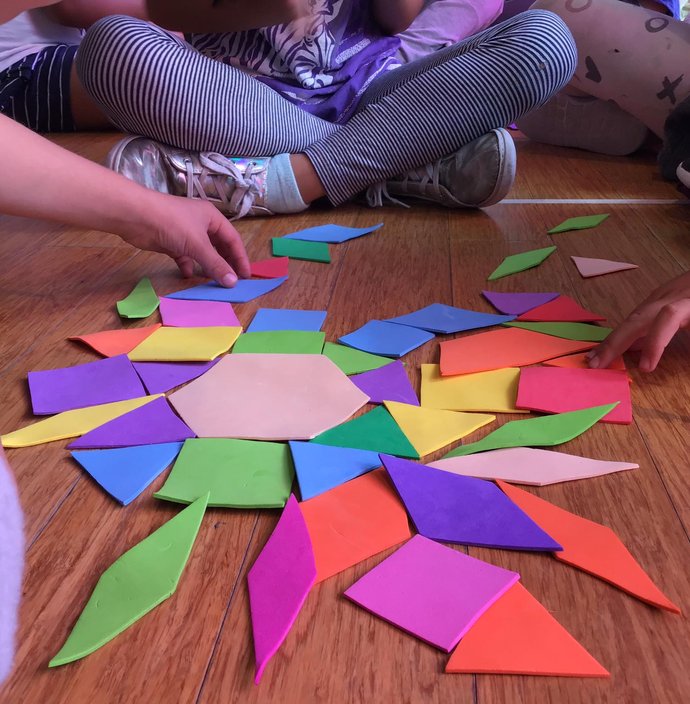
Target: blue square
[
  {"x": 386, "y": 339},
  {"x": 441, "y": 318}
]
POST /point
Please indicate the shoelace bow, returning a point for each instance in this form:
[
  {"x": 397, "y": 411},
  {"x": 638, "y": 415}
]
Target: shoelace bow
[{"x": 378, "y": 192}]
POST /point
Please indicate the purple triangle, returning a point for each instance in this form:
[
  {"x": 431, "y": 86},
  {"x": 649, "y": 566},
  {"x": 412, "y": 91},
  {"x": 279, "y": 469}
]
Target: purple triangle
[
  {"x": 159, "y": 377},
  {"x": 457, "y": 509},
  {"x": 388, "y": 383},
  {"x": 517, "y": 303},
  {"x": 148, "y": 425}
]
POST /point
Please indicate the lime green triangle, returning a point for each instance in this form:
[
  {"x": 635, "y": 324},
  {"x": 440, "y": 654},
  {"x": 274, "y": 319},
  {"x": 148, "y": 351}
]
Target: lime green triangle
[
  {"x": 520, "y": 262},
  {"x": 140, "y": 303},
  {"x": 134, "y": 584},
  {"x": 543, "y": 431},
  {"x": 583, "y": 222},
  {"x": 568, "y": 331},
  {"x": 353, "y": 361},
  {"x": 375, "y": 431}
]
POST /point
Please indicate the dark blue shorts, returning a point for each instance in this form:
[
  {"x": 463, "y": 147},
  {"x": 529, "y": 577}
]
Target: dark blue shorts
[{"x": 36, "y": 90}]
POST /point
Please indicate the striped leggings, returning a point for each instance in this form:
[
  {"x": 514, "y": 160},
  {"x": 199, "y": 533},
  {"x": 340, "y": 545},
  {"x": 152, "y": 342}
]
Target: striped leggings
[{"x": 150, "y": 83}]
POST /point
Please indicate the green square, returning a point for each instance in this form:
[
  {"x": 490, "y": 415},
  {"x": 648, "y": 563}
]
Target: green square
[
  {"x": 584, "y": 222},
  {"x": 280, "y": 342},
  {"x": 300, "y": 249},
  {"x": 521, "y": 262}
]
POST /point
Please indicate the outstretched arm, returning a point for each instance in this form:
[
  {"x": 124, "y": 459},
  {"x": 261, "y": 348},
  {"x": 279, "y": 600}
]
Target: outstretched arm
[{"x": 395, "y": 16}]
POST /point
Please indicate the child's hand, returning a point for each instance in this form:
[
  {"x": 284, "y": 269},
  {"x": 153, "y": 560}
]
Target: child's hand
[{"x": 651, "y": 325}]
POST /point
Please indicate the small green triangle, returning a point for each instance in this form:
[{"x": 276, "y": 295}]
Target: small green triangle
[
  {"x": 375, "y": 431},
  {"x": 352, "y": 361},
  {"x": 567, "y": 331},
  {"x": 521, "y": 262},
  {"x": 583, "y": 222},
  {"x": 140, "y": 303}
]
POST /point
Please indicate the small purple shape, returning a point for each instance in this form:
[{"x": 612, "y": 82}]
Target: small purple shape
[
  {"x": 150, "y": 424},
  {"x": 389, "y": 383},
  {"x": 159, "y": 377},
  {"x": 279, "y": 583},
  {"x": 104, "y": 381},
  {"x": 517, "y": 303},
  {"x": 179, "y": 313},
  {"x": 458, "y": 509}
]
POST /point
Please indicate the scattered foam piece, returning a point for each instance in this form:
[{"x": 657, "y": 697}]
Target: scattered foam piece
[
  {"x": 271, "y": 268},
  {"x": 561, "y": 309},
  {"x": 568, "y": 331},
  {"x": 352, "y": 361},
  {"x": 389, "y": 383},
  {"x": 386, "y": 339},
  {"x": 521, "y": 262},
  {"x": 111, "y": 343},
  {"x": 269, "y": 319},
  {"x": 280, "y": 342},
  {"x": 176, "y": 312},
  {"x": 580, "y": 361},
  {"x": 299, "y": 249},
  {"x": 584, "y": 222},
  {"x": 243, "y": 291},
  {"x": 140, "y": 303},
  {"x": 159, "y": 377},
  {"x": 598, "y": 267},
  {"x": 440, "y": 318},
  {"x": 185, "y": 344},
  {"x": 517, "y": 303},
  {"x": 333, "y": 234}
]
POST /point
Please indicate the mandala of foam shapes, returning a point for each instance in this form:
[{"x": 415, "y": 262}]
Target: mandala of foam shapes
[{"x": 268, "y": 397}]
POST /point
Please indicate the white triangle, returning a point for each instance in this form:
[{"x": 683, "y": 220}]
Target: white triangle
[{"x": 597, "y": 267}]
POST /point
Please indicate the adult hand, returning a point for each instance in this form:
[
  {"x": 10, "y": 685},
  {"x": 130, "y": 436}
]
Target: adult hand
[{"x": 651, "y": 326}]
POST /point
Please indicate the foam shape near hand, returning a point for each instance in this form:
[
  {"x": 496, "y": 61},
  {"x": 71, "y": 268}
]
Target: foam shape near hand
[
  {"x": 322, "y": 467},
  {"x": 554, "y": 390},
  {"x": 518, "y": 636},
  {"x": 269, "y": 319},
  {"x": 111, "y": 343},
  {"x": 145, "y": 576},
  {"x": 140, "y": 303},
  {"x": 455, "y": 509},
  {"x": 185, "y": 344},
  {"x": 431, "y": 591},
  {"x": 598, "y": 267},
  {"x": 352, "y": 361},
  {"x": 389, "y": 383},
  {"x": 567, "y": 331},
  {"x": 71, "y": 424},
  {"x": 151, "y": 424},
  {"x": 591, "y": 547},
  {"x": 386, "y": 339},
  {"x": 376, "y": 431},
  {"x": 353, "y": 522},
  {"x": 584, "y": 222},
  {"x": 268, "y": 397},
  {"x": 517, "y": 303},
  {"x": 125, "y": 472},
  {"x": 429, "y": 429},
  {"x": 561, "y": 309},
  {"x": 235, "y": 474},
  {"x": 440, "y": 318},
  {"x": 271, "y": 268},
  {"x": 159, "y": 377},
  {"x": 544, "y": 431},
  {"x": 243, "y": 291},
  {"x": 279, "y": 582},
  {"x": 280, "y": 342},
  {"x": 95, "y": 383},
  {"x": 516, "y": 263},
  {"x": 527, "y": 465},
  {"x": 493, "y": 392},
  {"x": 580, "y": 361},
  {"x": 332, "y": 234},
  {"x": 298, "y": 249},
  {"x": 178, "y": 313},
  {"x": 498, "y": 349}
]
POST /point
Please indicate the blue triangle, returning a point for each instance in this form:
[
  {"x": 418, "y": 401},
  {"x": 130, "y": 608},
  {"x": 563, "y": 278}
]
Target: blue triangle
[
  {"x": 322, "y": 467},
  {"x": 125, "y": 472}
]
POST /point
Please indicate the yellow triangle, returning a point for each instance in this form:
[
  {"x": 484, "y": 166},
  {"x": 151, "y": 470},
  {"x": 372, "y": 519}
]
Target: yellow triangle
[{"x": 429, "y": 429}]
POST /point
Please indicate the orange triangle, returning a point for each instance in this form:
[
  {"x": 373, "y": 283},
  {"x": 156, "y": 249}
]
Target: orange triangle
[
  {"x": 272, "y": 268},
  {"x": 579, "y": 361},
  {"x": 561, "y": 309},
  {"x": 518, "y": 636},
  {"x": 110, "y": 343},
  {"x": 591, "y": 547}
]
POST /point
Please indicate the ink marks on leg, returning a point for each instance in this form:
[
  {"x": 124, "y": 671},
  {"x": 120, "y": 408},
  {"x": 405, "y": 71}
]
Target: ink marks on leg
[
  {"x": 669, "y": 89},
  {"x": 656, "y": 24},
  {"x": 592, "y": 70},
  {"x": 578, "y": 5}
]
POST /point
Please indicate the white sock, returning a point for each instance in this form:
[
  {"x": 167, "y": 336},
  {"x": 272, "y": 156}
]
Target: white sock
[{"x": 282, "y": 192}]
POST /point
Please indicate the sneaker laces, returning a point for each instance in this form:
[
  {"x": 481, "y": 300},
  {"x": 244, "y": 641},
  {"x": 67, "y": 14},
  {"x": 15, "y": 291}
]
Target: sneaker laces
[{"x": 378, "y": 193}]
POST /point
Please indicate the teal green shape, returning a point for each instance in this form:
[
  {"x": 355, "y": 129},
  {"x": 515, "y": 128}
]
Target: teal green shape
[
  {"x": 584, "y": 222},
  {"x": 521, "y": 262},
  {"x": 568, "y": 331},
  {"x": 301, "y": 249},
  {"x": 352, "y": 361},
  {"x": 140, "y": 303},
  {"x": 280, "y": 342}
]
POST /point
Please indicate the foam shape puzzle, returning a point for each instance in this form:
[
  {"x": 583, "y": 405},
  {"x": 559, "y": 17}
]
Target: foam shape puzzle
[
  {"x": 561, "y": 309},
  {"x": 454, "y": 509},
  {"x": 284, "y": 397},
  {"x": 518, "y": 636},
  {"x": 498, "y": 349},
  {"x": 528, "y": 465},
  {"x": 517, "y": 303},
  {"x": 269, "y": 319},
  {"x": 144, "y": 577},
  {"x": 111, "y": 343},
  {"x": 580, "y": 361},
  {"x": 332, "y": 234},
  {"x": 584, "y": 222},
  {"x": 71, "y": 424},
  {"x": 271, "y": 268},
  {"x": 557, "y": 390},
  {"x": 591, "y": 547},
  {"x": 148, "y": 425},
  {"x": 431, "y": 591},
  {"x": 159, "y": 377},
  {"x": 389, "y": 383},
  {"x": 352, "y": 361},
  {"x": 589, "y": 267},
  {"x": 516, "y": 263},
  {"x": 430, "y": 429},
  {"x": 235, "y": 474},
  {"x": 243, "y": 291},
  {"x": 488, "y": 392},
  {"x": 568, "y": 331},
  {"x": 140, "y": 303},
  {"x": 185, "y": 344},
  {"x": 280, "y": 342},
  {"x": 440, "y": 318},
  {"x": 91, "y": 384},
  {"x": 299, "y": 249},
  {"x": 279, "y": 582},
  {"x": 322, "y": 467},
  {"x": 376, "y": 431},
  {"x": 544, "y": 431},
  {"x": 179, "y": 313},
  {"x": 125, "y": 472},
  {"x": 353, "y": 522},
  {"x": 386, "y": 339}
]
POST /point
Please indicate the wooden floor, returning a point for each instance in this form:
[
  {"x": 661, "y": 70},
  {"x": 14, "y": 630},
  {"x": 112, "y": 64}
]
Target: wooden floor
[{"x": 197, "y": 646}]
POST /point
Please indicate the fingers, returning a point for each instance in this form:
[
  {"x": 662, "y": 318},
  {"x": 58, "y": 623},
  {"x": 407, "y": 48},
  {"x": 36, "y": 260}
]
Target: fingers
[
  {"x": 229, "y": 244},
  {"x": 186, "y": 266},
  {"x": 619, "y": 341},
  {"x": 213, "y": 265},
  {"x": 668, "y": 321}
]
